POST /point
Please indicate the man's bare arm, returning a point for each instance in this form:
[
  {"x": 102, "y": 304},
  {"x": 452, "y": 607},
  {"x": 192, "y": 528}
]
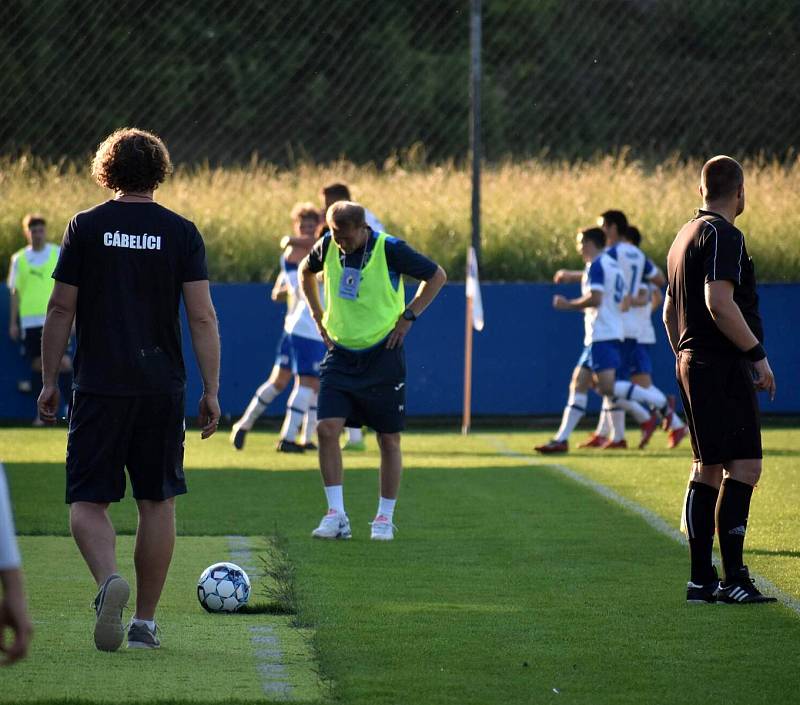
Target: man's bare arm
[
  {"x": 205, "y": 340},
  {"x": 591, "y": 300},
  {"x": 670, "y": 317},
  {"x": 568, "y": 276},
  {"x": 13, "y": 315},
  {"x": 55, "y": 336},
  {"x": 310, "y": 286}
]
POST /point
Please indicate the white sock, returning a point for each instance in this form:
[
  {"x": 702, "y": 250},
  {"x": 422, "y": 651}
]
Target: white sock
[
  {"x": 151, "y": 624},
  {"x": 635, "y": 409},
  {"x": 309, "y": 422},
  {"x": 261, "y": 399},
  {"x": 573, "y": 412},
  {"x": 617, "y": 415},
  {"x": 386, "y": 507},
  {"x": 354, "y": 435},
  {"x": 650, "y": 396},
  {"x": 676, "y": 422},
  {"x": 335, "y": 496},
  {"x": 296, "y": 408},
  {"x": 604, "y": 422}
]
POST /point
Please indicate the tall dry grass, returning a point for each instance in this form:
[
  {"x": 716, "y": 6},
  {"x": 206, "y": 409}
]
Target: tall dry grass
[{"x": 531, "y": 209}]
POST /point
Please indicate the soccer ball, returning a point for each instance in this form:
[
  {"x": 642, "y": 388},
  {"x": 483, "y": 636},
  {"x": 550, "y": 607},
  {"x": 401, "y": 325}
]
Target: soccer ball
[{"x": 223, "y": 587}]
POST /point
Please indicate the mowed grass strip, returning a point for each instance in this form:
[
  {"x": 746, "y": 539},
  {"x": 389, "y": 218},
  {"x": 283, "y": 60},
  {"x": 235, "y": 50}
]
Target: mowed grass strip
[
  {"x": 205, "y": 658},
  {"x": 507, "y": 582}
]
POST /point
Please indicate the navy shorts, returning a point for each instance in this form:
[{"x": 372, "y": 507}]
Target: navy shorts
[
  {"x": 366, "y": 388},
  {"x": 144, "y": 434},
  {"x": 307, "y": 355},
  {"x": 32, "y": 343},
  {"x": 283, "y": 355},
  {"x": 635, "y": 359},
  {"x": 604, "y": 355}
]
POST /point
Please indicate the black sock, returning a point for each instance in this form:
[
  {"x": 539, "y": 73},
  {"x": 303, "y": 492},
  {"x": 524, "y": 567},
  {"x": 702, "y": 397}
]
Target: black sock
[
  {"x": 701, "y": 500},
  {"x": 734, "y": 506}
]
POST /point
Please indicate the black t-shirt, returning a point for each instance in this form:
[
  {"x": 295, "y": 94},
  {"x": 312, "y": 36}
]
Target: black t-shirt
[
  {"x": 709, "y": 248},
  {"x": 129, "y": 262},
  {"x": 400, "y": 258}
]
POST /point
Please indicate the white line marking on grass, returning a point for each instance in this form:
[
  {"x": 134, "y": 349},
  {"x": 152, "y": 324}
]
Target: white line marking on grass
[
  {"x": 266, "y": 643},
  {"x": 655, "y": 521}
]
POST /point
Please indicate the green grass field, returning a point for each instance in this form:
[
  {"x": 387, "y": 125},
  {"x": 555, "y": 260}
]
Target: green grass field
[
  {"x": 243, "y": 211},
  {"x": 509, "y": 582}
]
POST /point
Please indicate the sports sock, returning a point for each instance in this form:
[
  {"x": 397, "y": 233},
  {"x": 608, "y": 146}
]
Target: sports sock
[
  {"x": 354, "y": 435},
  {"x": 634, "y": 408},
  {"x": 604, "y": 422},
  {"x": 573, "y": 412},
  {"x": 732, "y": 511},
  {"x": 617, "y": 415},
  {"x": 698, "y": 524},
  {"x": 261, "y": 399},
  {"x": 386, "y": 507},
  {"x": 296, "y": 408},
  {"x": 335, "y": 496},
  {"x": 651, "y": 396},
  {"x": 676, "y": 422},
  {"x": 151, "y": 624},
  {"x": 309, "y": 422}
]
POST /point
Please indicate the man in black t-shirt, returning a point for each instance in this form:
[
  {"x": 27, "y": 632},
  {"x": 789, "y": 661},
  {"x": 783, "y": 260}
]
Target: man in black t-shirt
[
  {"x": 714, "y": 326},
  {"x": 123, "y": 268}
]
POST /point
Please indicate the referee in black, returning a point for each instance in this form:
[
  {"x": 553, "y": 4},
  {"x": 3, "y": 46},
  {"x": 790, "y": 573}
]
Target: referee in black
[
  {"x": 714, "y": 326},
  {"x": 124, "y": 267}
]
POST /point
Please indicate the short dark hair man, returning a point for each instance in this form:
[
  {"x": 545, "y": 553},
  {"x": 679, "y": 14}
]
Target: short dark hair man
[
  {"x": 123, "y": 267},
  {"x": 363, "y": 374},
  {"x": 714, "y": 326}
]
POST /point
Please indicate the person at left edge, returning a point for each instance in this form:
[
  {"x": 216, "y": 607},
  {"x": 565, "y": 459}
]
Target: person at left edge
[
  {"x": 363, "y": 374},
  {"x": 123, "y": 268}
]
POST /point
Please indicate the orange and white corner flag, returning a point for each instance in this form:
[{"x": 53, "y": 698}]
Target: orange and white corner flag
[{"x": 473, "y": 290}]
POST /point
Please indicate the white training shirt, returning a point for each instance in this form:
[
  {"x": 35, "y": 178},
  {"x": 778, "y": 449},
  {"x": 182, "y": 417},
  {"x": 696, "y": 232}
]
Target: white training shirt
[
  {"x": 644, "y": 315},
  {"x": 9, "y": 552},
  {"x": 298, "y": 319},
  {"x": 636, "y": 272},
  {"x": 605, "y": 321},
  {"x": 373, "y": 222},
  {"x": 35, "y": 259}
]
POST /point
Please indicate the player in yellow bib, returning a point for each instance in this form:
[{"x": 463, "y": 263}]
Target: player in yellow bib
[
  {"x": 30, "y": 282},
  {"x": 363, "y": 375}
]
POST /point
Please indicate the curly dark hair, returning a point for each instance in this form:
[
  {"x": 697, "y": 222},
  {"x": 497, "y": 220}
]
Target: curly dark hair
[{"x": 130, "y": 159}]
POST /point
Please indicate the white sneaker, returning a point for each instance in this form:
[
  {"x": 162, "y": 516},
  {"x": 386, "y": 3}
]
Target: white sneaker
[
  {"x": 382, "y": 529},
  {"x": 334, "y": 525}
]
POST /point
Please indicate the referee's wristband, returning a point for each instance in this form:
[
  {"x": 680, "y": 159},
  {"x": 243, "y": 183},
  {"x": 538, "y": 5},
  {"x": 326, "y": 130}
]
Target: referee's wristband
[{"x": 756, "y": 353}]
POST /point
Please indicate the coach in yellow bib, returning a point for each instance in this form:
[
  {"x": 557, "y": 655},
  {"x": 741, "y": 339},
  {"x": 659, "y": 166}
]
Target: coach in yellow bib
[
  {"x": 30, "y": 282},
  {"x": 363, "y": 324}
]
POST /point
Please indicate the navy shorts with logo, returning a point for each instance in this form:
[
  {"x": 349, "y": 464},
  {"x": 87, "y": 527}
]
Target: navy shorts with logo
[
  {"x": 367, "y": 388},
  {"x": 144, "y": 434}
]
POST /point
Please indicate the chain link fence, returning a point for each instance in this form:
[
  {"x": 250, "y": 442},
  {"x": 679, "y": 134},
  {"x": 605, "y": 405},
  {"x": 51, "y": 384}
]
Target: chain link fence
[{"x": 366, "y": 80}]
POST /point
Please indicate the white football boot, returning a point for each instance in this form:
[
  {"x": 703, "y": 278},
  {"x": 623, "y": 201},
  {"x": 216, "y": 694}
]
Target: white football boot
[
  {"x": 382, "y": 529},
  {"x": 334, "y": 525}
]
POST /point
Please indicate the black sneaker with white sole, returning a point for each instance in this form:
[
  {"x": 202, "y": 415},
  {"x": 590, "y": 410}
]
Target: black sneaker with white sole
[
  {"x": 112, "y": 598},
  {"x": 741, "y": 590},
  {"x": 238, "y": 436},
  {"x": 285, "y": 446},
  {"x": 703, "y": 593}
]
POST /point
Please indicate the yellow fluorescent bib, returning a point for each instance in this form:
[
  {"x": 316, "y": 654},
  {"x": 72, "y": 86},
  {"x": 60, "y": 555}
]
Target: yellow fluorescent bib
[
  {"x": 365, "y": 321},
  {"x": 34, "y": 284}
]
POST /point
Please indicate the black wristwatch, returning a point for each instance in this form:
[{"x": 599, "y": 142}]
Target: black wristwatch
[{"x": 409, "y": 315}]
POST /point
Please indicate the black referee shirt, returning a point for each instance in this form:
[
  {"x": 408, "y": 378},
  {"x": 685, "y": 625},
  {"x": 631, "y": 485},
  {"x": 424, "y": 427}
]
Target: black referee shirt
[
  {"x": 129, "y": 262},
  {"x": 709, "y": 248}
]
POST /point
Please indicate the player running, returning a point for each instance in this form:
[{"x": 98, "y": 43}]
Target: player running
[
  {"x": 305, "y": 219},
  {"x": 628, "y": 396},
  {"x": 602, "y": 293}
]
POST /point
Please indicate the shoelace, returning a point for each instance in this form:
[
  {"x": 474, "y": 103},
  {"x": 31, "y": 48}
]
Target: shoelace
[{"x": 372, "y": 523}]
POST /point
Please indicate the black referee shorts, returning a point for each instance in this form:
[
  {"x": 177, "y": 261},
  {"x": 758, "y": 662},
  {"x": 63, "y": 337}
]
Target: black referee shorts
[
  {"x": 721, "y": 407},
  {"x": 144, "y": 434},
  {"x": 32, "y": 343},
  {"x": 367, "y": 388}
]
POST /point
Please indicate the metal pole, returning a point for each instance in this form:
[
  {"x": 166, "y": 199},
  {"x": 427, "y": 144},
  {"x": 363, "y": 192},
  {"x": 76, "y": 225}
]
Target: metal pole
[
  {"x": 475, "y": 123},
  {"x": 475, "y": 148}
]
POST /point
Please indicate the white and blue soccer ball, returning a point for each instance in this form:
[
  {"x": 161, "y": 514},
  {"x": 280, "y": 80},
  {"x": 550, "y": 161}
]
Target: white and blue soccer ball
[{"x": 223, "y": 587}]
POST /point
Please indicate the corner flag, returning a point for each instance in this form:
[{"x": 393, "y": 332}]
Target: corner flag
[{"x": 473, "y": 290}]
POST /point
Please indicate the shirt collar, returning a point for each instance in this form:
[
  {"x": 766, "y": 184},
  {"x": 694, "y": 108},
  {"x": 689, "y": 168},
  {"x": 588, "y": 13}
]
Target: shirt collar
[{"x": 700, "y": 212}]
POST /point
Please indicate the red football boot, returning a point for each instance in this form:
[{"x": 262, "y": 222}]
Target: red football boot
[
  {"x": 552, "y": 447},
  {"x": 593, "y": 441}
]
